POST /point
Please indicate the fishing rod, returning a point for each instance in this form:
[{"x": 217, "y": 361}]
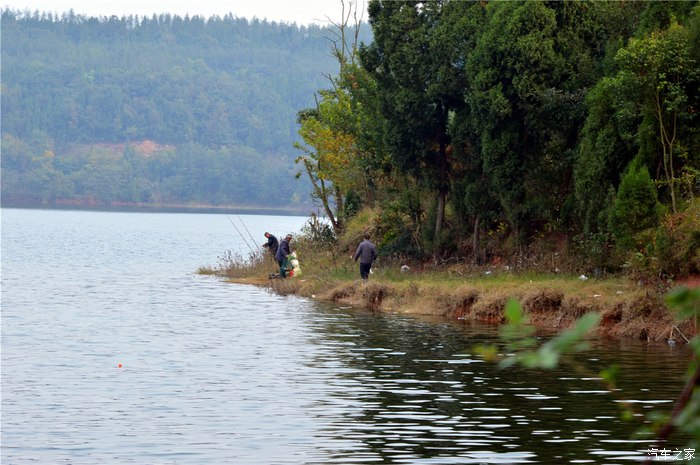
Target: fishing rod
[
  {"x": 249, "y": 234},
  {"x": 242, "y": 237}
]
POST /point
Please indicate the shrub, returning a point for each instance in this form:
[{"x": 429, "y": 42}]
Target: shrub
[
  {"x": 635, "y": 208},
  {"x": 677, "y": 244}
]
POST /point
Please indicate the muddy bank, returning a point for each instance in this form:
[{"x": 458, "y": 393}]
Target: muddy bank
[{"x": 639, "y": 315}]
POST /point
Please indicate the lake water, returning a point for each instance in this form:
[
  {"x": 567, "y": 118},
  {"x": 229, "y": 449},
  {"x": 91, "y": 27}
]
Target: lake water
[{"x": 114, "y": 351}]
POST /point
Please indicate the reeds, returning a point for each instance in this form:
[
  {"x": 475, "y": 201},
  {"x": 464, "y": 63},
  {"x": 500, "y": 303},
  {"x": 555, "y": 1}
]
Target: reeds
[{"x": 235, "y": 265}]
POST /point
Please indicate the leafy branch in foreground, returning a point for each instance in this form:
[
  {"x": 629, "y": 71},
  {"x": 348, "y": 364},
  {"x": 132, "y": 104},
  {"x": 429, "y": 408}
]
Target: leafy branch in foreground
[
  {"x": 685, "y": 416},
  {"x": 518, "y": 335},
  {"x": 521, "y": 348}
]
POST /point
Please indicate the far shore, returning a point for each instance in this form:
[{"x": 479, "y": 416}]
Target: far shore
[{"x": 159, "y": 207}]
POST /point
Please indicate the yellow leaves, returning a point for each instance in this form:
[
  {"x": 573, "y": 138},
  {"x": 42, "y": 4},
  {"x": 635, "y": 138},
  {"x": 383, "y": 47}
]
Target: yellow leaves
[{"x": 332, "y": 149}]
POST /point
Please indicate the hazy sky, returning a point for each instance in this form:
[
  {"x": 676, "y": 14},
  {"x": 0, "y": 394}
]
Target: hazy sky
[{"x": 299, "y": 11}]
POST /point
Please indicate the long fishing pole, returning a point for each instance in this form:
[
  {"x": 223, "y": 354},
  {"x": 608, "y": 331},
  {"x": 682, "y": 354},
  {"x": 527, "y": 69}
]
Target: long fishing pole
[
  {"x": 242, "y": 237},
  {"x": 249, "y": 234}
]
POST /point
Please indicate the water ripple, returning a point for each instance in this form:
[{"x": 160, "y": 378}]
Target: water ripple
[{"x": 113, "y": 352}]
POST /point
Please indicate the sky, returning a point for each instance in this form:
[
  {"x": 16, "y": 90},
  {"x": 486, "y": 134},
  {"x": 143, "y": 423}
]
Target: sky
[{"x": 302, "y": 12}]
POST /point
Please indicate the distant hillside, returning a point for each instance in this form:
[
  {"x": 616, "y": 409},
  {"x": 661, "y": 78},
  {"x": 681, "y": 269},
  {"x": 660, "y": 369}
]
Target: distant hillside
[{"x": 218, "y": 97}]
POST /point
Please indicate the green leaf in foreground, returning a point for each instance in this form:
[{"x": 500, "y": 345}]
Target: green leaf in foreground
[
  {"x": 519, "y": 337},
  {"x": 685, "y": 302}
]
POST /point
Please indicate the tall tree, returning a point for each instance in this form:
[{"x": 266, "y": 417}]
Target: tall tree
[
  {"x": 656, "y": 71},
  {"x": 330, "y": 149},
  {"x": 418, "y": 87},
  {"x": 527, "y": 77}
]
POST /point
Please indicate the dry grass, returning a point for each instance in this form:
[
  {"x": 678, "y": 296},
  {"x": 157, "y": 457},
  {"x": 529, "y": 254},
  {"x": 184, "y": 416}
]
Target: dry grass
[
  {"x": 550, "y": 300},
  {"x": 236, "y": 266}
]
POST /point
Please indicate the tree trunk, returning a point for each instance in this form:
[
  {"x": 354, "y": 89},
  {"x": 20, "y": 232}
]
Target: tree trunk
[
  {"x": 475, "y": 243},
  {"x": 340, "y": 212},
  {"x": 321, "y": 193},
  {"x": 442, "y": 196},
  {"x": 443, "y": 186},
  {"x": 667, "y": 144}
]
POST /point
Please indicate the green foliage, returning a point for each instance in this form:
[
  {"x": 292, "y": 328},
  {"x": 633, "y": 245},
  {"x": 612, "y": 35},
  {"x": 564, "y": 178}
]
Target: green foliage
[
  {"x": 501, "y": 121},
  {"x": 635, "y": 208},
  {"x": 519, "y": 111},
  {"x": 596, "y": 251},
  {"x": 353, "y": 204},
  {"x": 660, "y": 15},
  {"x": 659, "y": 78},
  {"x": 525, "y": 350},
  {"x": 519, "y": 338},
  {"x": 318, "y": 232},
  {"x": 606, "y": 148},
  {"x": 211, "y": 89},
  {"x": 400, "y": 221},
  {"x": 164, "y": 78},
  {"x": 527, "y": 75},
  {"x": 104, "y": 174},
  {"x": 412, "y": 62},
  {"x": 334, "y": 159},
  {"x": 677, "y": 242},
  {"x": 686, "y": 303}
]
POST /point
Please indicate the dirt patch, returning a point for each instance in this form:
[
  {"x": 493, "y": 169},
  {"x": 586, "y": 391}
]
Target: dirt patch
[
  {"x": 286, "y": 286},
  {"x": 341, "y": 293},
  {"x": 374, "y": 295},
  {"x": 689, "y": 281},
  {"x": 490, "y": 310},
  {"x": 571, "y": 309},
  {"x": 459, "y": 304},
  {"x": 543, "y": 306},
  {"x": 646, "y": 318},
  {"x": 612, "y": 316}
]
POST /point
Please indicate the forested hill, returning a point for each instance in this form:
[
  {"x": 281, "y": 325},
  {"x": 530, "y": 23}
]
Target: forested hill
[{"x": 163, "y": 110}]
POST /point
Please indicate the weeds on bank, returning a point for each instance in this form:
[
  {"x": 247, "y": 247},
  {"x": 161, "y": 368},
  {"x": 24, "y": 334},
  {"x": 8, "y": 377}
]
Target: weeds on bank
[
  {"x": 234, "y": 265},
  {"x": 327, "y": 262},
  {"x": 329, "y": 265}
]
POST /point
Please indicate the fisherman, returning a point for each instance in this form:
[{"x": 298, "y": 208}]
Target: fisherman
[
  {"x": 367, "y": 253},
  {"x": 282, "y": 253},
  {"x": 272, "y": 244}
]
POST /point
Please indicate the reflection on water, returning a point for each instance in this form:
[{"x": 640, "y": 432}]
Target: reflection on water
[
  {"x": 420, "y": 397},
  {"x": 214, "y": 373}
]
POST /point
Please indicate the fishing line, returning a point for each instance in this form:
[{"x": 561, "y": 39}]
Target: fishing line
[
  {"x": 249, "y": 234},
  {"x": 242, "y": 237}
]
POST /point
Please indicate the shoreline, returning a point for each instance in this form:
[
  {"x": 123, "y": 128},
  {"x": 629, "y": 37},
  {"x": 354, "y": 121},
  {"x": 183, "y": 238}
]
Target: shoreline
[
  {"x": 627, "y": 311},
  {"x": 158, "y": 208}
]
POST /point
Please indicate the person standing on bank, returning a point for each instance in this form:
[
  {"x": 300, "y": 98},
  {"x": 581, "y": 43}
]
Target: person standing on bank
[
  {"x": 367, "y": 253},
  {"x": 272, "y": 244},
  {"x": 282, "y": 253}
]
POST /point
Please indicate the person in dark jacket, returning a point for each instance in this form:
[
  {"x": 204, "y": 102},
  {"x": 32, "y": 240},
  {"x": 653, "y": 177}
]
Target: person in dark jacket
[
  {"x": 272, "y": 244},
  {"x": 282, "y": 253},
  {"x": 367, "y": 253}
]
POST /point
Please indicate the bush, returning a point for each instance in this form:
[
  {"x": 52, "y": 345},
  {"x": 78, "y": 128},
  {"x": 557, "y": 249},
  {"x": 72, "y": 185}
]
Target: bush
[
  {"x": 353, "y": 204},
  {"x": 635, "y": 208},
  {"x": 319, "y": 232},
  {"x": 364, "y": 221},
  {"x": 677, "y": 244}
]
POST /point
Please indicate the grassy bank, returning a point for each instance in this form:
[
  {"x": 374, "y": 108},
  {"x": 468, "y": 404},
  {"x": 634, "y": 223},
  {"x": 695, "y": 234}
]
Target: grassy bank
[{"x": 552, "y": 301}]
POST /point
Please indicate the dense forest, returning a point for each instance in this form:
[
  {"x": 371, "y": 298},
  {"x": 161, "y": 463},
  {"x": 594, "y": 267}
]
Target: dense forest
[
  {"x": 552, "y": 134},
  {"x": 160, "y": 110}
]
